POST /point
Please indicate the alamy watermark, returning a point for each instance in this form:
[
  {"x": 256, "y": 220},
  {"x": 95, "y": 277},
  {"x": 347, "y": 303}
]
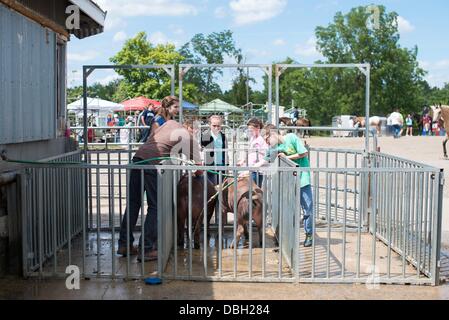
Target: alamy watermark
[
  {"x": 73, "y": 20},
  {"x": 373, "y": 281},
  {"x": 373, "y": 21},
  {"x": 73, "y": 280}
]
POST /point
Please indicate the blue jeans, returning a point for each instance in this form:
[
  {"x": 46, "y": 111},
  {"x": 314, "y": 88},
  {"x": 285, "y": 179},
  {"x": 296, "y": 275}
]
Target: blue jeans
[
  {"x": 307, "y": 206},
  {"x": 397, "y": 130},
  {"x": 135, "y": 202},
  {"x": 145, "y": 135},
  {"x": 258, "y": 178}
]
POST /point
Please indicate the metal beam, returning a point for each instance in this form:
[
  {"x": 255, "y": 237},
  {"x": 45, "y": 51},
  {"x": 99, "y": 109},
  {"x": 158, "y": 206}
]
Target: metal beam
[
  {"x": 365, "y": 68},
  {"x": 331, "y": 65},
  {"x": 130, "y": 66},
  {"x": 237, "y": 65}
]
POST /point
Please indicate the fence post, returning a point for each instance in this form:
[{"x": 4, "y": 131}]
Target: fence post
[
  {"x": 24, "y": 186},
  {"x": 436, "y": 241},
  {"x": 160, "y": 253}
]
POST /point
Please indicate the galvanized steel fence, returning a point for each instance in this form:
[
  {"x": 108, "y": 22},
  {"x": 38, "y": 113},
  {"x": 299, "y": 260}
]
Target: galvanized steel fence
[{"x": 377, "y": 219}]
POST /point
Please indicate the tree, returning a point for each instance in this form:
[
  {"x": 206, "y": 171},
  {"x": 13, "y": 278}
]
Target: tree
[
  {"x": 241, "y": 92},
  {"x": 152, "y": 83},
  {"x": 438, "y": 96},
  {"x": 395, "y": 74},
  {"x": 105, "y": 92},
  {"x": 210, "y": 49}
]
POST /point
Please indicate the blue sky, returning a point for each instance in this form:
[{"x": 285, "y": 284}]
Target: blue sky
[{"x": 266, "y": 30}]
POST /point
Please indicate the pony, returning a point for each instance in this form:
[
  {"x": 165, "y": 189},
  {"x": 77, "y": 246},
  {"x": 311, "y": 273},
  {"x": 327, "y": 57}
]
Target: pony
[{"x": 440, "y": 114}]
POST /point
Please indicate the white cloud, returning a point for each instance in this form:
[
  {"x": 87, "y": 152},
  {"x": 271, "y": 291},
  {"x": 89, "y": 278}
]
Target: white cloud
[
  {"x": 424, "y": 64},
  {"x": 220, "y": 12},
  {"x": 327, "y": 5},
  {"x": 106, "y": 80},
  {"x": 308, "y": 49},
  {"x": 258, "y": 53},
  {"x": 177, "y": 30},
  {"x": 133, "y": 8},
  {"x": 121, "y": 10},
  {"x": 252, "y": 11},
  {"x": 82, "y": 57},
  {"x": 120, "y": 36},
  {"x": 443, "y": 64},
  {"x": 74, "y": 78},
  {"x": 438, "y": 72},
  {"x": 159, "y": 37},
  {"x": 404, "y": 26},
  {"x": 114, "y": 22},
  {"x": 279, "y": 42}
]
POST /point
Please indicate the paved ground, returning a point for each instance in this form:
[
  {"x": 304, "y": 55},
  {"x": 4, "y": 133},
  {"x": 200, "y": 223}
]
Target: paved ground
[
  {"x": 428, "y": 150},
  {"x": 422, "y": 149},
  {"x": 136, "y": 290}
]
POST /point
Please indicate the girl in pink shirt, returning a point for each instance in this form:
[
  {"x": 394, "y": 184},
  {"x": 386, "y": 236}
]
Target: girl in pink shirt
[{"x": 257, "y": 148}]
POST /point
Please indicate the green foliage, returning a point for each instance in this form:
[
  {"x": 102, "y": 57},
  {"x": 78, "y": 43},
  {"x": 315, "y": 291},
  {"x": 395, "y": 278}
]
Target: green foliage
[
  {"x": 438, "y": 96},
  {"x": 105, "y": 92},
  {"x": 153, "y": 83},
  {"x": 395, "y": 73},
  {"x": 210, "y": 49}
]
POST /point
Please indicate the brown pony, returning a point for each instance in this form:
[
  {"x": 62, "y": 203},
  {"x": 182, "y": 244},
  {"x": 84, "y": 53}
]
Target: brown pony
[{"x": 441, "y": 114}]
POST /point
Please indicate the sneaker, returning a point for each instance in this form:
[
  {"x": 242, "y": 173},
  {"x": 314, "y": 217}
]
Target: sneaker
[
  {"x": 147, "y": 256},
  {"x": 308, "y": 242},
  {"x": 122, "y": 251}
]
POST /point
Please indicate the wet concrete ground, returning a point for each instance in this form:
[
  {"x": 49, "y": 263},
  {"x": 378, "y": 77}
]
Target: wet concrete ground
[
  {"x": 185, "y": 290},
  {"x": 423, "y": 149}
]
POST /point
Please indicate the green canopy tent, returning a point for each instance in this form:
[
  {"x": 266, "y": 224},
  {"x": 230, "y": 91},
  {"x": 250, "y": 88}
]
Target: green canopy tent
[{"x": 219, "y": 106}]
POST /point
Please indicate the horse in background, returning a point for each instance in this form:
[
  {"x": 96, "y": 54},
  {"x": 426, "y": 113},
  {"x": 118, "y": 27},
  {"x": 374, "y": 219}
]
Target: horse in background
[
  {"x": 440, "y": 114},
  {"x": 287, "y": 122},
  {"x": 301, "y": 122},
  {"x": 373, "y": 122}
]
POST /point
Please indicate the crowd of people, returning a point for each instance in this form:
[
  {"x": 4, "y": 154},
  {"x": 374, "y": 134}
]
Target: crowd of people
[
  {"x": 166, "y": 135},
  {"x": 397, "y": 125},
  {"x": 407, "y": 125}
]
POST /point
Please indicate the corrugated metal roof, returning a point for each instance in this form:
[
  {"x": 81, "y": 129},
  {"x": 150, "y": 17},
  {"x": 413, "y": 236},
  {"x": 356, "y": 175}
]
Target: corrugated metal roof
[
  {"x": 92, "y": 17},
  {"x": 27, "y": 79}
]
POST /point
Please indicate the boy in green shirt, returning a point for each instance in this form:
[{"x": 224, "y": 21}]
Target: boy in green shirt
[{"x": 292, "y": 148}]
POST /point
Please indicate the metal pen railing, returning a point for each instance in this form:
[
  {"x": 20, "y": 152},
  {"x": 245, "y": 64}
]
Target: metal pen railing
[{"x": 344, "y": 250}]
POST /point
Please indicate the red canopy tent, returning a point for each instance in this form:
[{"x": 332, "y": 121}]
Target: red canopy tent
[{"x": 138, "y": 104}]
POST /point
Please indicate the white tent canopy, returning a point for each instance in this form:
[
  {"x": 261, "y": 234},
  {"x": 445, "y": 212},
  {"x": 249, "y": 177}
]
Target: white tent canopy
[{"x": 96, "y": 106}]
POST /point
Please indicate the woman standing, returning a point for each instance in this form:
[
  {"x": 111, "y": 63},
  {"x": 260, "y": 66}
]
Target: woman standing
[
  {"x": 168, "y": 111},
  {"x": 409, "y": 123}
]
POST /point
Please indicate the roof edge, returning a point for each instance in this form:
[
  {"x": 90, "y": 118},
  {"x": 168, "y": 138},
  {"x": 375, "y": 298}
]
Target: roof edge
[{"x": 91, "y": 9}]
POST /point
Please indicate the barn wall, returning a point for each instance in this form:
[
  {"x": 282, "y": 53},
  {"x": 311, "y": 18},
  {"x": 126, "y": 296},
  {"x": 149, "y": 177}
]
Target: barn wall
[{"x": 27, "y": 80}]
